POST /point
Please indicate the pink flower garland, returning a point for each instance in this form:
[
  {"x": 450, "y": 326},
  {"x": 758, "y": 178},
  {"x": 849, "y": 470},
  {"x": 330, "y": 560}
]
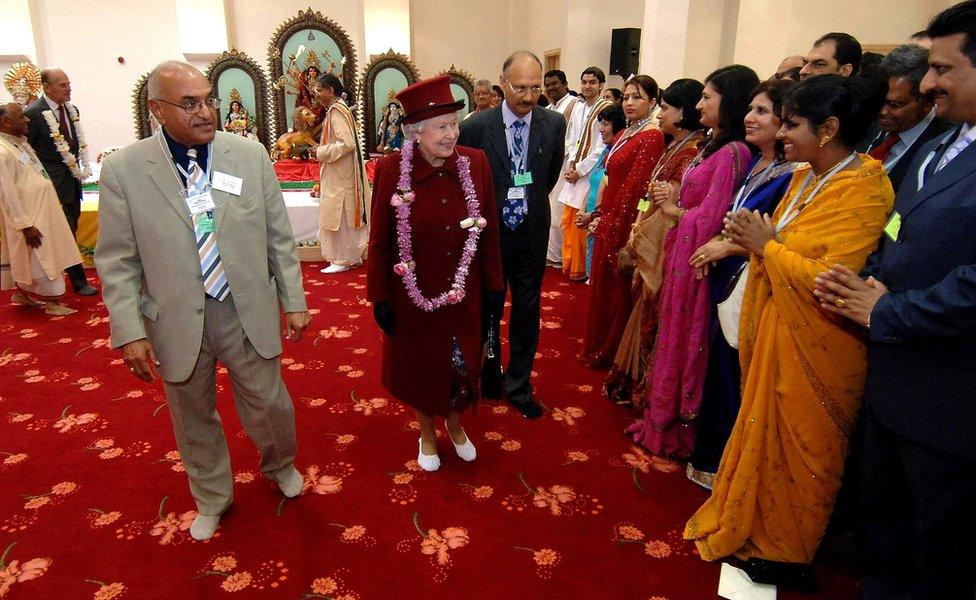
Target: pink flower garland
[{"x": 475, "y": 223}]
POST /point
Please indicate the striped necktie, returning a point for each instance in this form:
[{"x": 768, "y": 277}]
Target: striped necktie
[{"x": 214, "y": 277}]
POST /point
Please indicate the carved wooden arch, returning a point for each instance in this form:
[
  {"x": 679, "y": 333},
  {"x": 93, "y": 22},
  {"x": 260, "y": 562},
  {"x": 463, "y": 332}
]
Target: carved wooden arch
[
  {"x": 234, "y": 59},
  {"x": 464, "y": 79},
  {"x": 308, "y": 19},
  {"x": 140, "y": 108},
  {"x": 388, "y": 60}
]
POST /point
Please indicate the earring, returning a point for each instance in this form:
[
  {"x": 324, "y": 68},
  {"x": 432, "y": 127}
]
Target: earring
[{"x": 823, "y": 141}]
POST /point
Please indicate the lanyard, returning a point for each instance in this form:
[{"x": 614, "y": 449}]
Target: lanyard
[
  {"x": 790, "y": 214},
  {"x": 741, "y": 196},
  {"x": 205, "y": 184}
]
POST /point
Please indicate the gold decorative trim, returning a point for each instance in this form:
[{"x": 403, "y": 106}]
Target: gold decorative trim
[
  {"x": 140, "y": 107},
  {"x": 235, "y": 59},
  {"x": 465, "y": 80},
  {"x": 307, "y": 19}
]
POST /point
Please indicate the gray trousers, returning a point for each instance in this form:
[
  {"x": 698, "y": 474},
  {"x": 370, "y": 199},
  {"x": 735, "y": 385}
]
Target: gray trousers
[{"x": 263, "y": 406}]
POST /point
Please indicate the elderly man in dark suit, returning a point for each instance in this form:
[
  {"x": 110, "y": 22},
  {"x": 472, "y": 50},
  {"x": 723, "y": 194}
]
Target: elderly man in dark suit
[
  {"x": 907, "y": 119},
  {"x": 918, "y": 304},
  {"x": 50, "y": 114},
  {"x": 524, "y": 144}
]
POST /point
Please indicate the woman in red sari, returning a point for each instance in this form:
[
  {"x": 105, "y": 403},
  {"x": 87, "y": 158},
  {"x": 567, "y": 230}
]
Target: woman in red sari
[{"x": 630, "y": 164}]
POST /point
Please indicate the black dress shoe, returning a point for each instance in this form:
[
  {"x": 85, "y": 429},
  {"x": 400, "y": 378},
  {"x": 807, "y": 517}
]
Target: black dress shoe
[
  {"x": 87, "y": 290},
  {"x": 528, "y": 408}
]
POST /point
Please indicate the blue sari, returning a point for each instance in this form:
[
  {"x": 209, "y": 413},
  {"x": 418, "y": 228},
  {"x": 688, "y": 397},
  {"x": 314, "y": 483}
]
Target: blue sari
[
  {"x": 596, "y": 177},
  {"x": 720, "y": 396}
]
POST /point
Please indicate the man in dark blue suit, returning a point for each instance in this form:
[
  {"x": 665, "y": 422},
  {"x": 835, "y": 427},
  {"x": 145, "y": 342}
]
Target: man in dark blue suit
[
  {"x": 524, "y": 144},
  {"x": 918, "y": 303}
]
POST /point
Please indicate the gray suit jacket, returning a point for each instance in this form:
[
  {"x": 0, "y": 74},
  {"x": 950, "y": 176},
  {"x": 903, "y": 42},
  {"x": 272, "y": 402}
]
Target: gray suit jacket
[{"x": 147, "y": 258}]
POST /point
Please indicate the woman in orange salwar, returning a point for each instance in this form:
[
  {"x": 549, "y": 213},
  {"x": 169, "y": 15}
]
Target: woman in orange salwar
[{"x": 803, "y": 369}]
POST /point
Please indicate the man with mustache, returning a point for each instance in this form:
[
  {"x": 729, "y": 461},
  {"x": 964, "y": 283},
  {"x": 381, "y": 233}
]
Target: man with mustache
[
  {"x": 918, "y": 308},
  {"x": 524, "y": 144},
  {"x": 198, "y": 261}
]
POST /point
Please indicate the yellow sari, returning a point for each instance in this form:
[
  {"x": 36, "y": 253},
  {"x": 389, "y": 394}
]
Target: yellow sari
[{"x": 803, "y": 373}]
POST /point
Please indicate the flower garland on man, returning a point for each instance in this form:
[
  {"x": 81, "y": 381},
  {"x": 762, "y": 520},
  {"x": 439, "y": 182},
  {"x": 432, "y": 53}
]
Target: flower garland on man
[{"x": 434, "y": 265}]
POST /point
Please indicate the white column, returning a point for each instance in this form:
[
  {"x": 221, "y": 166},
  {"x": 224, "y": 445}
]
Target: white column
[
  {"x": 663, "y": 39},
  {"x": 387, "y": 25},
  {"x": 16, "y": 32},
  {"x": 202, "y": 27}
]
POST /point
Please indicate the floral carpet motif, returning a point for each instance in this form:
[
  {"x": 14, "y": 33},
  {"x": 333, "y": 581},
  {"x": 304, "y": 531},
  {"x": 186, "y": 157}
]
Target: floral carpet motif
[{"x": 94, "y": 501}]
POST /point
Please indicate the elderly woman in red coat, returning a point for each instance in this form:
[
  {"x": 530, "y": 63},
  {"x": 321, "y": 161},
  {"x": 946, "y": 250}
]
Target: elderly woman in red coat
[{"x": 434, "y": 262}]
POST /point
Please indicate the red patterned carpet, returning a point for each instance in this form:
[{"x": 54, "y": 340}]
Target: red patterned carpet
[{"x": 94, "y": 503}]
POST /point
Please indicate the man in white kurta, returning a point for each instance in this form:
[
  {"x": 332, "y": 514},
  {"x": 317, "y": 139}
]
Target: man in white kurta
[
  {"x": 564, "y": 103},
  {"x": 343, "y": 204},
  {"x": 37, "y": 244},
  {"x": 584, "y": 145}
]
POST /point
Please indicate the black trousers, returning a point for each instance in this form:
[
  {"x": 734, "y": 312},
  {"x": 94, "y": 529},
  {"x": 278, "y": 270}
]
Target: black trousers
[
  {"x": 72, "y": 212},
  {"x": 524, "y": 265},
  {"x": 918, "y": 519}
]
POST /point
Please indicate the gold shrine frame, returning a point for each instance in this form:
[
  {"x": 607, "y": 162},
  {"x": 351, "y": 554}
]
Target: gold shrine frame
[
  {"x": 465, "y": 81},
  {"x": 140, "y": 108},
  {"x": 380, "y": 63},
  {"x": 235, "y": 59},
  {"x": 307, "y": 19}
]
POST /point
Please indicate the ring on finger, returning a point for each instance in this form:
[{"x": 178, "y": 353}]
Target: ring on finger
[{"x": 840, "y": 303}]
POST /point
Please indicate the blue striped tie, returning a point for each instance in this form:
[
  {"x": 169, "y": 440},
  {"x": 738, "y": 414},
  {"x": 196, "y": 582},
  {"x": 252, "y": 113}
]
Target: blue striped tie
[
  {"x": 514, "y": 209},
  {"x": 214, "y": 277}
]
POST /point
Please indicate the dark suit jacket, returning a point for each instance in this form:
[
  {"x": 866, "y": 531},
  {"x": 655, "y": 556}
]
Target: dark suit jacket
[
  {"x": 547, "y": 135},
  {"x": 39, "y": 137},
  {"x": 898, "y": 172},
  {"x": 921, "y": 379}
]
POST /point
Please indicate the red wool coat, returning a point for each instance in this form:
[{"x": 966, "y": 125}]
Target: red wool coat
[{"x": 417, "y": 357}]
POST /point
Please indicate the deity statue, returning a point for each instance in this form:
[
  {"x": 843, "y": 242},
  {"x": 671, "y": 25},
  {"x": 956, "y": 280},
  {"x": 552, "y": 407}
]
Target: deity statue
[
  {"x": 23, "y": 81},
  {"x": 299, "y": 81},
  {"x": 389, "y": 135},
  {"x": 238, "y": 120},
  {"x": 297, "y": 144}
]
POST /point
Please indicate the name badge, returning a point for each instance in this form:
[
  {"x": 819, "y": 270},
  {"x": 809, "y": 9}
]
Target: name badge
[
  {"x": 893, "y": 226},
  {"x": 643, "y": 205},
  {"x": 522, "y": 179},
  {"x": 205, "y": 224},
  {"x": 227, "y": 183},
  {"x": 516, "y": 193},
  {"x": 198, "y": 203}
]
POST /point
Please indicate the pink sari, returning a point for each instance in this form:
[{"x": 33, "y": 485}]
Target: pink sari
[{"x": 674, "y": 381}]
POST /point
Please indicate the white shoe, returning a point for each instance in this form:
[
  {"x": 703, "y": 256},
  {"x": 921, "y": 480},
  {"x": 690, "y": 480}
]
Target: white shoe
[
  {"x": 335, "y": 268},
  {"x": 427, "y": 462},
  {"x": 292, "y": 486},
  {"x": 203, "y": 527},
  {"x": 466, "y": 451}
]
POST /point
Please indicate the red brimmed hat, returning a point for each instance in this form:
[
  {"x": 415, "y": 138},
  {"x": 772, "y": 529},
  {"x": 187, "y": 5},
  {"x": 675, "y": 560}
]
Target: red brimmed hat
[{"x": 428, "y": 98}]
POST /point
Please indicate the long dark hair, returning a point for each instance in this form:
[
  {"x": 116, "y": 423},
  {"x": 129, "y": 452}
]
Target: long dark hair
[
  {"x": 735, "y": 84},
  {"x": 684, "y": 94},
  {"x": 853, "y": 101}
]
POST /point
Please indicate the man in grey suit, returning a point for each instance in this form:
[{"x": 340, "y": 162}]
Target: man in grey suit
[
  {"x": 196, "y": 255},
  {"x": 918, "y": 306},
  {"x": 54, "y": 103},
  {"x": 524, "y": 144}
]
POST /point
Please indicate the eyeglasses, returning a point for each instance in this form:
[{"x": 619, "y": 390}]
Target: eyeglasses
[
  {"x": 521, "y": 90},
  {"x": 193, "y": 106},
  {"x": 899, "y": 105}
]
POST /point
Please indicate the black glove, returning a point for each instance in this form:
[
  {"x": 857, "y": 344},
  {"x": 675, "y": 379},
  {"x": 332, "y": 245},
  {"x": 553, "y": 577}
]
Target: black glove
[{"x": 384, "y": 317}]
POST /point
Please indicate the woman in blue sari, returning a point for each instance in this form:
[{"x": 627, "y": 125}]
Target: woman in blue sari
[{"x": 723, "y": 262}]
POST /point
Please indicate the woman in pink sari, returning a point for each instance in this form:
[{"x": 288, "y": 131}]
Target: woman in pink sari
[{"x": 677, "y": 370}]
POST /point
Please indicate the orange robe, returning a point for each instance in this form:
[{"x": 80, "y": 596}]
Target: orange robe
[{"x": 803, "y": 373}]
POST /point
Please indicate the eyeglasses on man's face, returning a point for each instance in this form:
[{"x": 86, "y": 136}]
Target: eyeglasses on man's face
[
  {"x": 193, "y": 106},
  {"x": 521, "y": 90}
]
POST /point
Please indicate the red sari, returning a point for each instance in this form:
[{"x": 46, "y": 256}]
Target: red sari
[{"x": 629, "y": 170}]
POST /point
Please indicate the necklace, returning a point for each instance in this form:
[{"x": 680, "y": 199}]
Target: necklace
[
  {"x": 629, "y": 133},
  {"x": 401, "y": 201}
]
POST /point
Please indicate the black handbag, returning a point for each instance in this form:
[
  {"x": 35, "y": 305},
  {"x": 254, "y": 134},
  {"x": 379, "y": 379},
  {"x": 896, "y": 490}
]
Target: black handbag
[{"x": 492, "y": 375}]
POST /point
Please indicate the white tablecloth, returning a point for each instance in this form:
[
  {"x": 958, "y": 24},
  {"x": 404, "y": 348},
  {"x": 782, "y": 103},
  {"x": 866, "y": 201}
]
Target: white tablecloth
[{"x": 303, "y": 212}]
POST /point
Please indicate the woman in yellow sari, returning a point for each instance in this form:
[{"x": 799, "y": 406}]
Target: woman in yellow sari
[{"x": 803, "y": 369}]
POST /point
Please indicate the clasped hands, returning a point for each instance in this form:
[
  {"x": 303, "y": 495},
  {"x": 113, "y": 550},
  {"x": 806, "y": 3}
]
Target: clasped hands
[{"x": 843, "y": 293}]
